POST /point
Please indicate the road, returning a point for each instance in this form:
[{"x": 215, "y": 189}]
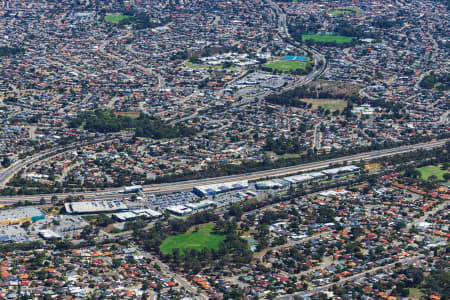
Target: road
[
  {"x": 317, "y": 136},
  {"x": 188, "y": 185},
  {"x": 416, "y": 222},
  {"x": 6, "y": 174},
  {"x": 363, "y": 93},
  {"x": 179, "y": 279},
  {"x": 353, "y": 278},
  {"x": 292, "y": 243}
]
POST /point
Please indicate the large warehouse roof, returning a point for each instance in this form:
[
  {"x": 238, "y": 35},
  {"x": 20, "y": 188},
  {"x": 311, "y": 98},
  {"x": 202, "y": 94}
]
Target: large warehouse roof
[
  {"x": 211, "y": 189},
  {"x": 123, "y": 216},
  {"x": 20, "y": 213},
  {"x": 86, "y": 207}
]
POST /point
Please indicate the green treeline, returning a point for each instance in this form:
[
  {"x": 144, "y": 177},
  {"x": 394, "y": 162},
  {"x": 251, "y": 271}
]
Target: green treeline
[
  {"x": 9, "y": 51},
  {"x": 284, "y": 145},
  {"x": 439, "y": 81},
  {"x": 233, "y": 250},
  {"x": 145, "y": 126},
  {"x": 217, "y": 170},
  {"x": 292, "y": 97},
  {"x": 139, "y": 20}
]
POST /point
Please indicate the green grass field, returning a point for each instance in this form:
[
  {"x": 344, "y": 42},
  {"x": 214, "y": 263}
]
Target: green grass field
[
  {"x": 201, "y": 66},
  {"x": 415, "y": 293},
  {"x": 287, "y": 65},
  {"x": 115, "y": 18},
  {"x": 203, "y": 238},
  {"x": 345, "y": 10},
  {"x": 339, "y": 39},
  {"x": 427, "y": 171}
]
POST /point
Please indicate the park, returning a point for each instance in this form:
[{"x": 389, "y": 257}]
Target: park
[
  {"x": 287, "y": 65},
  {"x": 345, "y": 10},
  {"x": 198, "y": 237},
  {"x": 115, "y": 18},
  {"x": 322, "y": 38},
  {"x": 427, "y": 171}
]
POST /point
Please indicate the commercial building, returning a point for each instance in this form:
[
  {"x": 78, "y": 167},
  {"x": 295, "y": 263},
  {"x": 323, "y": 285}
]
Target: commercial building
[
  {"x": 296, "y": 179},
  {"x": 332, "y": 193},
  {"x": 341, "y": 170},
  {"x": 13, "y": 234},
  {"x": 20, "y": 215},
  {"x": 179, "y": 210},
  {"x": 132, "y": 189},
  {"x": 305, "y": 178},
  {"x": 87, "y": 207},
  {"x": 200, "y": 205},
  {"x": 133, "y": 214},
  {"x": 272, "y": 184},
  {"x": 48, "y": 234},
  {"x": 212, "y": 189}
]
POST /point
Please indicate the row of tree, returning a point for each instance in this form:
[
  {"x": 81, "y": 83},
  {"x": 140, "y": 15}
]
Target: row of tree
[
  {"x": 10, "y": 51},
  {"x": 292, "y": 97},
  {"x": 218, "y": 169},
  {"x": 439, "y": 81},
  {"x": 283, "y": 145},
  {"x": 140, "y": 20},
  {"x": 145, "y": 126},
  {"x": 233, "y": 250}
]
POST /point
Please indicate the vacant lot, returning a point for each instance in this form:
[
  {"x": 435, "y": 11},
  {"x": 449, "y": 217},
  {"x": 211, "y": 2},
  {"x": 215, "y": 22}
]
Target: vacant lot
[
  {"x": 200, "y": 239},
  {"x": 338, "y": 39},
  {"x": 415, "y": 293},
  {"x": 115, "y": 18},
  {"x": 427, "y": 171},
  {"x": 131, "y": 114},
  {"x": 286, "y": 65},
  {"x": 345, "y": 10},
  {"x": 331, "y": 104}
]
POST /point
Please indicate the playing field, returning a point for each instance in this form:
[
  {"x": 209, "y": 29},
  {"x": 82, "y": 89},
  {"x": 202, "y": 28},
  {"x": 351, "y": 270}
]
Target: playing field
[
  {"x": 287, "y": 65},
  {"x": 427, "y": 171},
  {"x": 331, "y": 104},
  {"x": 202, "y": 66},
  {"x": 115, "y": 18},
  {"x": 199, "y": 240},
  {"x": 345, "y": 10},
  {"x": 339, "y": 39}
]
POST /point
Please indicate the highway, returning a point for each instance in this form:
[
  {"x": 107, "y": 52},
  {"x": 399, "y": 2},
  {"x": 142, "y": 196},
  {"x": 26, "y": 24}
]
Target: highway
[
  {"x": 113, "y": 193},
  {"x": 6, "y": 174}
]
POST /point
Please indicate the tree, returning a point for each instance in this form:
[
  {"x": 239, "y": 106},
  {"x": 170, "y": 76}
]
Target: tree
[
  {"x": 415, "y": 274},
  {"x": 236, "y": 211},
  {"x": 438, "y": 282},
  {"x": 412, "y": 173},
  {"x": 6, "y": 162},
  {"x": 116, "y": 262},
  {"x": 25, "y": 225},
  {"x": 433, "y": 178},
  {"x": 356, "y": 232}
]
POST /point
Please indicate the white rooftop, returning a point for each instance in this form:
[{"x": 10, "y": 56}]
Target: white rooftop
[{"x": 95, "y": 206}]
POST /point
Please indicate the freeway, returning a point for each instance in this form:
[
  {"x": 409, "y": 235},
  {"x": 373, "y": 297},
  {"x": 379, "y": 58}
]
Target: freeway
[
  {"x": 6, "y": 174},
  {"x": 187, "y": 185}
]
